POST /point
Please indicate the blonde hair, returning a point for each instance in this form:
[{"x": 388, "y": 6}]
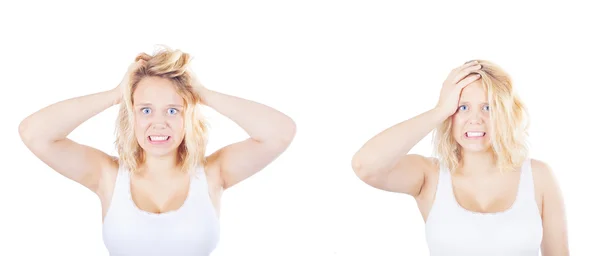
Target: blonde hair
[
  {"x": 169, "y": 64},
  {"x": 509, "y": 123}
]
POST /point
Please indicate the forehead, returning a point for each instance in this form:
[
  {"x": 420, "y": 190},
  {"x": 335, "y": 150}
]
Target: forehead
[
  {"x": 474, "y": 92},
  {"x": 157, "y": 91}
]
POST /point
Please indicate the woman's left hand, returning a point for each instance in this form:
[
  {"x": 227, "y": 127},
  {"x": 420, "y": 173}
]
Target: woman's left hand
[{"x": 198, "y": 87}]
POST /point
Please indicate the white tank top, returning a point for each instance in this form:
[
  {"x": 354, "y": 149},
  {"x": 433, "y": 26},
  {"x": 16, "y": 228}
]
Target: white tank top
[
  {"x": 452, "y": 230},
  {"x": 193, "y": 229}
]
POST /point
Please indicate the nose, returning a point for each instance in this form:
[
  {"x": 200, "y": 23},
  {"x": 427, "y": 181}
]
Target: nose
[
  {"x": 159, "y": 125},
  {"x": 476, "y": 118},
  {"x": 159, "y": 122}
]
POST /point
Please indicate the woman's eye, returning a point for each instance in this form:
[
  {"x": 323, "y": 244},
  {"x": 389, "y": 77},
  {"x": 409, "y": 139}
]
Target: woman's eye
[
  {"x": 146, "y": 110},
  {"x": 173, "y": 111},
  {"x": 462, "y": 107},
  {"x": 486, "y": 108}
]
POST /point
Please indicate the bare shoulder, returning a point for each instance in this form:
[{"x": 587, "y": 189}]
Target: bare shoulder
[
  {"x": 214, "y": 180},
  {"x": 538, "y": 165},
  {"x": 107, "y": 182},
  {"x": 433, "y": 165},
  {"x": 112, "y": 168},
  {"x": 546, "y": 184},
  {"x": 212, "y": 170},
  {"x": 543, "y": 174},
  {"x": 429, "y": 165},
  {"x": 553, "y": 213},
  {"x": 431, "y": 170},
  {"x": 108, "y": 177}
]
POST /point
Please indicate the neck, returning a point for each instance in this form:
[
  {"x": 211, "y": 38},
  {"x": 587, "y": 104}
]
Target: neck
[
  {"x": 159, "y": 166},
  {"x": 477, "y": 163}
]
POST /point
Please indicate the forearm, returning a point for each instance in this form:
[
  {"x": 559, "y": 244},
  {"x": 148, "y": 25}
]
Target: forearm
[
  {"x": 261, "y": 122},
  {"x": 58, "y": 120},
  {"x": 385, "y": 148}
]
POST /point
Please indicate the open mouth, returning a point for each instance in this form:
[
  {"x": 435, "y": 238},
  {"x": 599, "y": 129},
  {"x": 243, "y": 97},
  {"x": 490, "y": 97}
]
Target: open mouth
[
  {"x": 155, "y": 139},
  {"x": 474, "y": 135}
]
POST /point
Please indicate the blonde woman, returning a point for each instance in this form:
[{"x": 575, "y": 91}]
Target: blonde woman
[
  {"x": 161, "y": 195},
  {"x": 482, "y": 194}
]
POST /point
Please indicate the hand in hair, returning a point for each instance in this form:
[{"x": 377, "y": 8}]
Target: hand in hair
[
  {"x": 458, "y": 79},
  {"x": 140, "y": 61},
  {"x": 195, "y": 82}
]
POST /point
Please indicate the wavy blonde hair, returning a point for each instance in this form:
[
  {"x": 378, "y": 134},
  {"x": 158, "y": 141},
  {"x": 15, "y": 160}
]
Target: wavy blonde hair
[
  {"x": 509, "y": 123},
  {"x": 172, "y": 65}
]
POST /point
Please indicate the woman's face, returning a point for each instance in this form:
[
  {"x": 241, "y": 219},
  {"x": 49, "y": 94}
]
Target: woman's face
[
  {"x": 471, "y": 123},
  {"x": 158, "y": 113}
]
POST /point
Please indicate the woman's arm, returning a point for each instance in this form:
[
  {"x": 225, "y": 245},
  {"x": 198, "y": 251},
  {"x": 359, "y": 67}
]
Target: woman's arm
[
  {"x": 555, "y": 237},
  {"x": 270, "y": 131},
  {"x": 45, "y": 134},
  {"x": 383, "y": 163}
]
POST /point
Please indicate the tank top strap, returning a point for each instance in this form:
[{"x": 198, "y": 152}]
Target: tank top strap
[
  {"x": 122, "y": 186},
  {"x": 444, "y": 193},
  {"x": 200, "y": 193},
  {"x": 526, "y": 185},
  {"x": 198, "y": 175},
  {"x": 198, "y": 182}
]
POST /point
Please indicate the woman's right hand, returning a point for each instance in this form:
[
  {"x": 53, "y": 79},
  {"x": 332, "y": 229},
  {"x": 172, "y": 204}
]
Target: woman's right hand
[
  {"x": 140, "y": 61},
  {"x": 458, "y": 79}
]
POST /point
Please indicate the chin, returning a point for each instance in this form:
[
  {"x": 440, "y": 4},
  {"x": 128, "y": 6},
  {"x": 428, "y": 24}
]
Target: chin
[
  {"x": 159, "y": 153},
  {"x": 474, "y": 148}
]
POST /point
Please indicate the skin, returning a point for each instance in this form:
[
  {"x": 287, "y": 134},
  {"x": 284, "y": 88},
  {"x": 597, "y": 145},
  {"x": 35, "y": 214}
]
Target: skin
[
  {"x": 158, "y": 110},
  {"x": 158, "y": 188},
  {"x": 383, "y": 162}
]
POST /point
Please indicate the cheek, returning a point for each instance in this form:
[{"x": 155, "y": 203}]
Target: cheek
[
  {"x": 456, "y": 123},
  {"x": 177, "y": 125},
  {"x": 140, "y": 125},
  {"x": 486, "y": 117}
]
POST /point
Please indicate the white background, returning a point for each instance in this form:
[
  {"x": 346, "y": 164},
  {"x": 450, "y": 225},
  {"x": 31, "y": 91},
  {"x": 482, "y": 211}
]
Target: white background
[{"x": 344, "y": 70}]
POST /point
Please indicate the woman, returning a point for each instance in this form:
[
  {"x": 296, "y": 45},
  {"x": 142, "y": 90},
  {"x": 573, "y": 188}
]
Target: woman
[
  {"x": 161, "y": 195},
  {"x": 481, "y": 194}
]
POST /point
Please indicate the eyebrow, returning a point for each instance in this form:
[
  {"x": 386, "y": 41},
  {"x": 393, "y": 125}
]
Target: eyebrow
[
  {"x": 149, "y": 104},
  {"x": 467, "y": 102}
]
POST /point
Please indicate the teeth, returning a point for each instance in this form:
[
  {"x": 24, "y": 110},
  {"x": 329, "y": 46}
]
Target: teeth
[
  {"x": 158, "y": 138},
  {"x": 475, "y": 134}
]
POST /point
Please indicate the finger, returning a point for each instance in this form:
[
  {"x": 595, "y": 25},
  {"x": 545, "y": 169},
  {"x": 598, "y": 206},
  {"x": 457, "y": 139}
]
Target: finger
[
  {"x": 462, "y": 67},
  {"x": 468, "y": 65},
  {"x": 143, "y": 56},
  {"x": 465, "y": 72},
  {"x": 141, "y": 63},
  {"x": 468, "y": 80},
  {"x": 137, "y": 64}
]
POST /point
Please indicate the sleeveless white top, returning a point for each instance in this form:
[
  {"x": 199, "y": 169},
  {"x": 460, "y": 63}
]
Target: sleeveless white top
[
  {"x": 193, "y": 229},
  {"x": 452, "y": 230}
]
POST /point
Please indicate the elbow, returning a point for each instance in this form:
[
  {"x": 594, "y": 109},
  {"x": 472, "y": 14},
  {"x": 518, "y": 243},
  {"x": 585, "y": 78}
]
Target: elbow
[
  {"x": 32, "y": 138},
  {"x": 25, "y": 131},
  {"x": 283, "y": 137},
  {"x": 361, "y": 169},
  {"x": 287, "y": 132}
]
